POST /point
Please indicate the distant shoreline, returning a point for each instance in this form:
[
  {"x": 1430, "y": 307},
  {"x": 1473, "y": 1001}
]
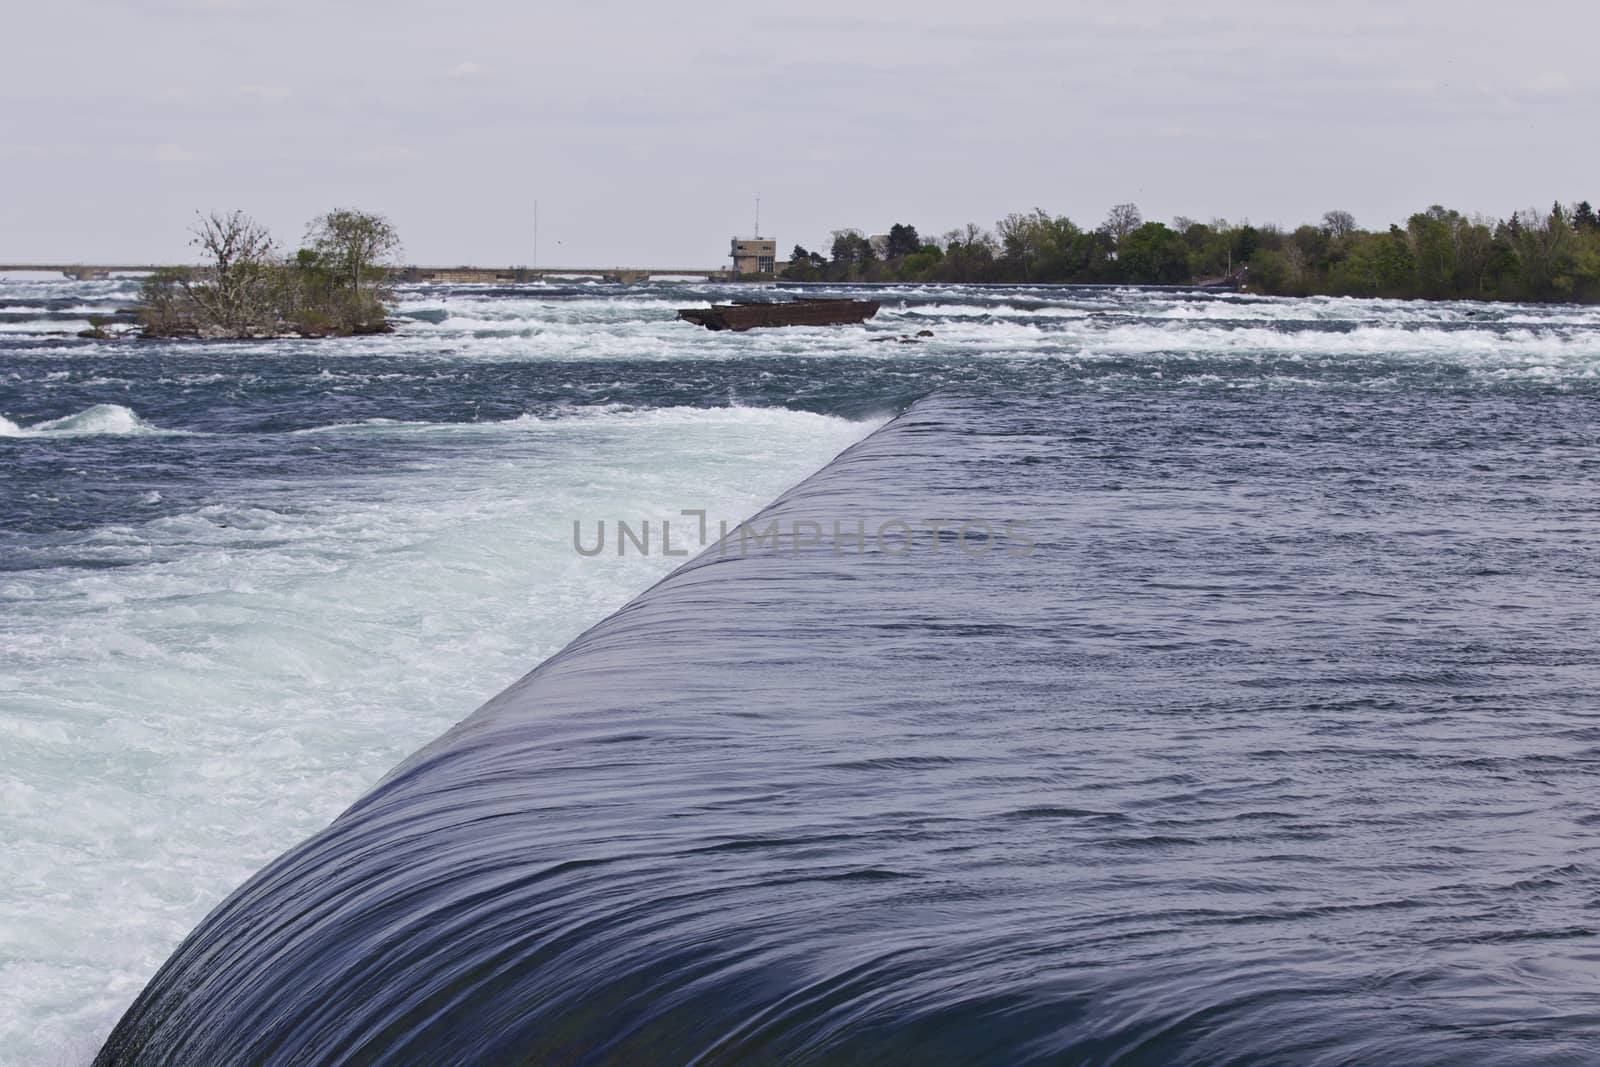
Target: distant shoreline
[
  {"x": 415, "y": 275},
  {"x": 471, "y": 275}
]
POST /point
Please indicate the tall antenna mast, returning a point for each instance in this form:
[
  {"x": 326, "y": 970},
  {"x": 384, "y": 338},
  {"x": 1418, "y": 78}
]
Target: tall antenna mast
[{"x": 758, "y": 216}]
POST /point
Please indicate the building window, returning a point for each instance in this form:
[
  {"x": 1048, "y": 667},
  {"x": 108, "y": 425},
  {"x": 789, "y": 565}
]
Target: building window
[{"x": 764, "y": 264}]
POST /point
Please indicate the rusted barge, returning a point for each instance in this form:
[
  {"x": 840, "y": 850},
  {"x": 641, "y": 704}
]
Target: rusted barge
[{"x": 805, "y": 311}]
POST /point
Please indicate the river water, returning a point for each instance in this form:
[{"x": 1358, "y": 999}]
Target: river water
[{"x": 1260, "y": 724}]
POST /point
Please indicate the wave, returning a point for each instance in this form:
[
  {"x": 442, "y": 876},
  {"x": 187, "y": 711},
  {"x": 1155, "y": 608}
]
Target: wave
[
  {"x": 597, "y": 415},
  {"x": 99, "y": 420},
  {"x": 43, "y": 327},
  {"x": 117, "y": 420}
]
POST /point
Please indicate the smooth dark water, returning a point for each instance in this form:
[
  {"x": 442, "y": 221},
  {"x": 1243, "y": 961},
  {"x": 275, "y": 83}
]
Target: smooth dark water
[
  {"x": 1269, "y": 734},
  {"x": 1279, "y": 744}
]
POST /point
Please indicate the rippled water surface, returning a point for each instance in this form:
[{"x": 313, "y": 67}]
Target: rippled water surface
[{"x": 1262, "y": 728}]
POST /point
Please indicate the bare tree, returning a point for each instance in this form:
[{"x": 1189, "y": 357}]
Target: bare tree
[
  {"x": 1338, "y": 224},
  {"x": 234, "y": 299},
  {"x": 1123, "y": 220},
  {"x": 969, "y": 254}
]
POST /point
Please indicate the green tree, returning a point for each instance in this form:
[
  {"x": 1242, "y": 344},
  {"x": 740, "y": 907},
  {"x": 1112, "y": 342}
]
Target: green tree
[
  {"x": 1210, "y": 249},
  {"x": 1246, "y": 239},
  {"x": 357, "y": 249},
  {"x": 903, "y": 241},
  {"x": 1273, "y": 272},
  {"x": 1438, "y": 253},
  {"x": 851, "y": 253},
  {"x": 1154, "y": 255},
  {"x": 1378, "y": 265},
  {"x": 799, "y": 267},
  {"x": 922, "y": 264},
  {"x": 1432, "y": 235},
  {"x": 358, "y": 246}
]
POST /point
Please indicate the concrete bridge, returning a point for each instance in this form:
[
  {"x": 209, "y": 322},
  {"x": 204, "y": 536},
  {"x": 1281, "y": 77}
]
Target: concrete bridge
[
  {"x": 83, "y": 272},
  {"x": 445, "y": 275}
]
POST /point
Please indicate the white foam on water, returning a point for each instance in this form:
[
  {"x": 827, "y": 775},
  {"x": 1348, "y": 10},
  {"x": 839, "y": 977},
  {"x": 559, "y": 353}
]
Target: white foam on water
[
  {"x": 1472, "y": 348},
  {"x": 92, "y": 421},
  {"x": 509, "y": 324},
  {"x": 1043, "y": 323},
  {"x": 56, "y": 327},
  {"x": 221, "y": 683},
  {"x": 185, "y": 697}
]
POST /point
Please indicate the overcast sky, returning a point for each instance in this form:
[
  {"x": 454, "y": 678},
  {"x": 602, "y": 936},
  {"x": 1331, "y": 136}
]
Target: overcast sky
[{"x": 646, "y": 130}]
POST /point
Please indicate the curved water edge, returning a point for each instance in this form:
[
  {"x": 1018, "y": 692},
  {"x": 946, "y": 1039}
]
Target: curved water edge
[
  {"x": 173, "y": 637},
  {"x": 383, "y": 527},
  {"x": 1111, "y": 738}
]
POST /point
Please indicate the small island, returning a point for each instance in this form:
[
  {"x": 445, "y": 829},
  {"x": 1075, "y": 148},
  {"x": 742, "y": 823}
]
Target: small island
[{"x": 337, "y": 284}]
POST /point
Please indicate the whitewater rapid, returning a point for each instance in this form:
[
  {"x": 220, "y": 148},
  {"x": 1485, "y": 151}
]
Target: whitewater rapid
[
  {"x": 184, "y": 697},
  {"x": 241, "y": 582}
]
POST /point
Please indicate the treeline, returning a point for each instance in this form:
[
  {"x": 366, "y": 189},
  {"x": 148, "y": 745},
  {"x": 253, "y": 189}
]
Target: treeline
[
  {"x": 336, "y": 284},
  {"x": 1437, "y": 254}
]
